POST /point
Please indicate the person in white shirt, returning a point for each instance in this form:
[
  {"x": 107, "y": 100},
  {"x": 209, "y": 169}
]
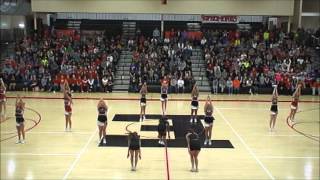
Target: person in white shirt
[
  {"x": 104, "y": 83},
  {"x": 203, "y": 42},
  {"x": 166, "y": 40},
  {"x": 109, "y": 60},
  {"x": 180, "y": 85},
  {"x": 90, "y": 83},
  {"x": 130, "y": 43}
]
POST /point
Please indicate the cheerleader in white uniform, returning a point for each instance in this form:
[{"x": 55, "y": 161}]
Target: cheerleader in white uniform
[{"x": 194, "y": 104}]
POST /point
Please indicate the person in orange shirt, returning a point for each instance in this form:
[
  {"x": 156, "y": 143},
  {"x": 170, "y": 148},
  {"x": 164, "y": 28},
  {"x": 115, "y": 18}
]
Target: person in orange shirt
[{"x": 236, "y": 85}]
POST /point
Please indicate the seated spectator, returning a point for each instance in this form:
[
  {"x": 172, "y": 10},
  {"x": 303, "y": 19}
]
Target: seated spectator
[
  {"x": 316, "y": 86},
  {"x": 249, "y": 84},
  {"x": 229, "y": 86},
  {"x": 180, "y": 85},
  {"x": 130, "y": 44},
  {"x": 109, "y": 85},
  {"x": 12, "y": 82},
  {"x": 156, "y": 33},
  {"x": 79, "y": 84},
  {"x": 91, "y": 84},
  {"x": 105, "y": 83},
  {"x": 173, "y": 85},
  {"x": 84, "y": 84},
  {"x": 215, "y": 85},
  {"x": 34, "y": 85},
  {"x": 73, "y": 83},
  {"x": 222, "y": 84},
  {"x": 43, "y": 84},
  {"x": 203, "y": 42},
  {"x": 97, "y": 84},
  {"x": 236, "y": 85},
  {"x": 56, "y": 83}
]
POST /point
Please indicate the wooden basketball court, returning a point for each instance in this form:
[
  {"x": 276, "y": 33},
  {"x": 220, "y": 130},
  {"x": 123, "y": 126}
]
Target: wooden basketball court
[{"x": 292, "y": 152}]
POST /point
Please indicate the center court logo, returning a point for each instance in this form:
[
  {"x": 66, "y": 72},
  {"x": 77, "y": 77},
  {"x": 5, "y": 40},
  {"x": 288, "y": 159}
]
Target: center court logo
[{"x": 179, "y": 124}]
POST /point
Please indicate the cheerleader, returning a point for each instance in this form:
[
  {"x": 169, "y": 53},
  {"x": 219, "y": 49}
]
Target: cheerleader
[
  {"x": 273, "y": 109},
  {"x": 2, "y": 100},
  {"x": 164, "y": 94},
  {"x": 67, "y": 105},
  {"x": 20, "y": 120},
  {"x": 102, "y": 120},
  {"x": 194, "y": 104},
  {"x": 134, "y": 144},
  {"x": 194, "y": 148},
  {"x": 163, "y": 129},
  {"x": 208, "y": 121},
  {"x": 143, "y": 101},
  {"x": 294, "y": 102}
]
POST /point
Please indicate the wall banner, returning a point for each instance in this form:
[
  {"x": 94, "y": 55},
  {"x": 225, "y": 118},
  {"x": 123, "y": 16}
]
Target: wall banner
[{"x": 220, "y": 19}]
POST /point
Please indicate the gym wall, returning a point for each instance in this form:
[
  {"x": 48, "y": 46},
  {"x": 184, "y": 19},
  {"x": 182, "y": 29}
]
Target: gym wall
[{"x": 222, "y": 7}]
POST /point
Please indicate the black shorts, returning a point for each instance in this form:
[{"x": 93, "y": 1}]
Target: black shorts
[
  {"x": 164, "y": 96},
  {"x": 195, "y": 146},
  {"x": 143, "y": 100},
  {"x": 274, "y": 108},
  {"x": 208, "y": 119},
  {"x": 19, "y": 120},
  {"x": 195, "y": 103},
  {"x": 162, "y": 133},
  {"x": 134, "y": 147},
  {"x": 102, "y": 118}
]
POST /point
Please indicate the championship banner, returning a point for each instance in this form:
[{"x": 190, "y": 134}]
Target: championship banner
[{"x": 220, "y": 19}]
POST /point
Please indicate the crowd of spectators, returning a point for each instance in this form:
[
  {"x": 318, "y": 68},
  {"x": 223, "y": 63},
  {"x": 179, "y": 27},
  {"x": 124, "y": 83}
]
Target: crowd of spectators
[
  {"x": 155, "y": 58},
  {"x": 45, "y": 62},
  {"x": 236, "y": 61},
  {"x": 250, "y": 60}
]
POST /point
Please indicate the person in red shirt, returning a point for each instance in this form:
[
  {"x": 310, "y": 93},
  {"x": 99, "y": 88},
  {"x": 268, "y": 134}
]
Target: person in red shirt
[
  {"x": 62, "y": 81},
  {"x": 73, "y": 83},
  {"x": 56, "y": 82},
  {"x": 84, "y": 84},
  {"x": 79, "y": 84}
]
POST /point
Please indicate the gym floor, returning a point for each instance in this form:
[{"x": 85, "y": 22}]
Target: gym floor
[{"x": 291, "y": 152}]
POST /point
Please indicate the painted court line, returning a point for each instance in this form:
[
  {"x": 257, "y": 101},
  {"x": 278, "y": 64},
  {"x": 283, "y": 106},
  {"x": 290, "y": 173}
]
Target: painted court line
[
  {"x": 38, "y": 154},
  {"x": 79, "y": 155},
  {"x": 245, "y": 145},
  {"x": 286, "y": 135},
  {"x": 157, "y": 99},
  {"x": 167, "y": 162},
  {"x": 289, "y": 157},
  {"x": 48, "y": 132}
]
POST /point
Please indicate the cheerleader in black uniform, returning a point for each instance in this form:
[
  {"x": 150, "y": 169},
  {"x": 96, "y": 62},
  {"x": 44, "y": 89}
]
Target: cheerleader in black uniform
[
  {"x": 134, "y": 144},
  {"x": 273, "y": 109},
  {"x": 194, "y": 148},
  {"x": 164, "y": 95},
  {"x": 208, "y": 121},
  {"x": 20, "y": 120},
  {"x": 2, "y": 100},
  {"x": 194, "y": 104},
  {"x": 143, "y": 101},
  {"x": 294, "y": 102},
  {"x": 102, "y": 120},
  {"x": 67, "y": 105},
  {"x": 163, "y": 129}
]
